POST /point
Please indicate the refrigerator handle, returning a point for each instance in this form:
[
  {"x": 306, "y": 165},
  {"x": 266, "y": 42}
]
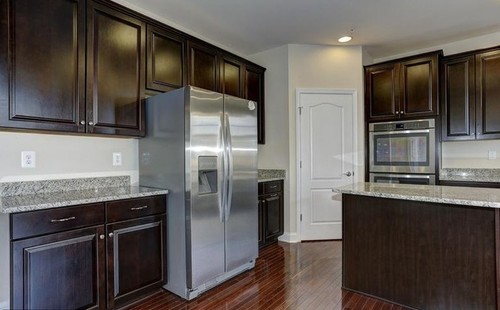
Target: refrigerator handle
[
  {"x": 229, "y": 169},
  {"x": 222, "y": 182}
]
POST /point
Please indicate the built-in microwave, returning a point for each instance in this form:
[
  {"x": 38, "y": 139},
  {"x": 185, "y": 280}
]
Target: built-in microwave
[{"x": 402, "y": 147}]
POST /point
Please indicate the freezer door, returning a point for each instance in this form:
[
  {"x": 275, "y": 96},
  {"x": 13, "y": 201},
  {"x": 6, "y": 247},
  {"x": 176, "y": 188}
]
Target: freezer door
[
  {"x": 242, "y": 207},
  {"x": 205, "y": 227}
]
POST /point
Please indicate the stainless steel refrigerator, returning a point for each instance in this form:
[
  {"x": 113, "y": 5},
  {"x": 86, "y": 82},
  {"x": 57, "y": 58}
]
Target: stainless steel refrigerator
[{"x": 202, "y": 147}]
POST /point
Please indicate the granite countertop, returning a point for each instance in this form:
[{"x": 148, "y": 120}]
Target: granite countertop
[
  {"x": 468, "y": 196},
  {"x": 37, "y": 195},
  {"x": 470, "y": 175},
  {"x": 266, "y": 175}
]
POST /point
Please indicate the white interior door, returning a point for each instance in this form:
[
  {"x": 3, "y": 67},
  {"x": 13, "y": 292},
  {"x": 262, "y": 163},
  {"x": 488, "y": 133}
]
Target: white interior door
[{"x": 327, "y": 160}]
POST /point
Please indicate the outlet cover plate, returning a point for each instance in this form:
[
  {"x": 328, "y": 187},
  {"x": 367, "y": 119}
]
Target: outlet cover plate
[
  {"x": 28, "y": 159},
  {"x": 117, "y": 159}
]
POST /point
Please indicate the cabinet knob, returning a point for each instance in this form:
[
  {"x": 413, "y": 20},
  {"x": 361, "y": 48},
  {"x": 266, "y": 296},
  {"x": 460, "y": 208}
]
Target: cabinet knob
[
  {"x": 82, "y": 122},
  {"x": 397, "y": 112},
  {"x": 91, "y": 123},
  {"x": 402, "y": 112},
  {"x": 110, "y": 234},
  {"x": 101, "y": 237}
]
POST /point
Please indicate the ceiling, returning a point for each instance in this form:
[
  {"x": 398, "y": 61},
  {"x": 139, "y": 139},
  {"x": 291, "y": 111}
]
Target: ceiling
[{"x": 384, "y": 27}]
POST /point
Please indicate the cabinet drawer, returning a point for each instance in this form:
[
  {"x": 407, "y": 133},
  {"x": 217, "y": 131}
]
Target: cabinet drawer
[
  {"x": 41, "y": 222},
  {"x": 270, "y": 187},
  {"x": 132, "y": 208}
]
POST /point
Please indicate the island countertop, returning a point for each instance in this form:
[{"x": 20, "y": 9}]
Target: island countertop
[{"x": 468, "y": 196}]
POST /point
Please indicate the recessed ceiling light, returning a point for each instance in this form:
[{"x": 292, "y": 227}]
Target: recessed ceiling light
[{"x": 345, "y": 39}]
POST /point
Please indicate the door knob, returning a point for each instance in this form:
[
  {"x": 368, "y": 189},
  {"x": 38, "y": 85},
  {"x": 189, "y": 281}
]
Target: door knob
[{"x": 348, "y": 173}]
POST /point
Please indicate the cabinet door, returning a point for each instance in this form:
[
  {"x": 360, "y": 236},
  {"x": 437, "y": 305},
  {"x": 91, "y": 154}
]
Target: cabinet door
[
  {"x": 419, "y": 87},
  {"x": 165, "y": 61},
  {"x": 59, "y": 271},
  {"x": 42, "y": 54},
  {"x": 273, "y": 217},
  {"x": 457, "y": 93},
  {"x": 261, "y": 221},
  {"x": 136, "y": 258},
  {"x": 231, "y": 77},
  {"x": 382, "y": 91},
  {"x": 488, "y": 95},
  {"x": 203, "y": 67},
  {"x": 254, "y": 90},
  {"x": 115, "y": 72}
]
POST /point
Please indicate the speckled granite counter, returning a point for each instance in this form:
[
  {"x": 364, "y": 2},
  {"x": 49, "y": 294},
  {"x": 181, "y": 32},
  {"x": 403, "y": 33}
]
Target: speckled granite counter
[
  {"x": 468, "y": 196},
  {"x": 470, "y": 175},
  {"x": 271, "y": 175},
  {"x": 36, "y": 195}
]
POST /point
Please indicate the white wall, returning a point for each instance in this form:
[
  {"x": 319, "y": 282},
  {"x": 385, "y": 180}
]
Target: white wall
[
  {"x": 65, "y": 156},
  {"x": 307, "y": 66}
]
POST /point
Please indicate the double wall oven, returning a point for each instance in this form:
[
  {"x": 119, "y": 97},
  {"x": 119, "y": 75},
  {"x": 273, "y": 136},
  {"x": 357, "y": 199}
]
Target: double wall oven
[{"x": 403, "y": 152}]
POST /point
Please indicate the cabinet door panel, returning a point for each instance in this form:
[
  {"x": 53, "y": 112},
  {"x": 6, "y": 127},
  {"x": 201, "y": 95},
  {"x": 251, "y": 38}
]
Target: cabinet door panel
[
  {"x": 488, "y": 95},
  {"x": 59, "y": 271},
  {"x": 458, "y": 106},
  {"x": 254, "y": 90},
  {"x": 115, "y": 72},
  {"x": 273, "y": 216},
  {"x": 231, "y": 78},
  {"x": 261, "y": 221},
  {"x": 136, "y": 258},
  {"x": 203, "y": 71},
  {"x": 381, "y": 91},
  {"x": 46, "y": 58},
  {"x": 419, "y": 87},
  {"x": 165, "y": 63}
]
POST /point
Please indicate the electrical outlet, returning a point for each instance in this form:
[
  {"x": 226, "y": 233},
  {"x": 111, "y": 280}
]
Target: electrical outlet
[
  {"x": 28, "y": 159},
  {"x": 117, "y": 159},
  {"x": 492, "y": 155}
]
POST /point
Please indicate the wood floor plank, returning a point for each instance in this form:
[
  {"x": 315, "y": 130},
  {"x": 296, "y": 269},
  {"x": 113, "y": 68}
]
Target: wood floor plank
[{"x": 299, "y": 276}]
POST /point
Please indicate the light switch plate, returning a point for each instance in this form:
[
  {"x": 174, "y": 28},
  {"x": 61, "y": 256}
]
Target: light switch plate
[
  {"x": 492, "y": 155},
  {"x": 28, "y": 159},
  {"x": 117, "y": 159}
]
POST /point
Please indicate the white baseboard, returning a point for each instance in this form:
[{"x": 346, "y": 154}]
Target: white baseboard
[{"x": 289, "y": 238}]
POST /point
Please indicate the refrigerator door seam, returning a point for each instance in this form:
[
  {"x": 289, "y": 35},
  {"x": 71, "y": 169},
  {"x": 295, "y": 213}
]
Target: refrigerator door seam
[{"x": 229, "y": 168}]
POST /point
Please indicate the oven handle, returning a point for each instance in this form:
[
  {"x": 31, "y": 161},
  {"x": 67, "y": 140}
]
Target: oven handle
[{"x": 375, "y": 133}]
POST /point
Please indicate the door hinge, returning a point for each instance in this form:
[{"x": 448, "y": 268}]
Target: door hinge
[
  {"x": 300, "y": 110},
  {"x": 301, "y": 217}
]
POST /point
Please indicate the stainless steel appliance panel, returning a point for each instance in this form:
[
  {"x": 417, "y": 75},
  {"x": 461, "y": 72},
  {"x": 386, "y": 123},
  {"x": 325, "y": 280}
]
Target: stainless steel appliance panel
[
  {"x": 205, "y": 220},
  {"x": 422, "y": 179},
  {"x": 242, "y": 205}
]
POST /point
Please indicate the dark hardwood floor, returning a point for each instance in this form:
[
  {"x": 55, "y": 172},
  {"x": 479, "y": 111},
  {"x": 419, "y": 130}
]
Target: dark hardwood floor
[{"x": 286, "y": 276}]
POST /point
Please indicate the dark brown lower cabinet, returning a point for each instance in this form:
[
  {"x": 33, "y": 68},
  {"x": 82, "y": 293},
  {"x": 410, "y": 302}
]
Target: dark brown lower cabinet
[
  {"x": 102, "y": 265},
  {"x": 419, "y": 254},
  {"x": 271, "y": 208}
]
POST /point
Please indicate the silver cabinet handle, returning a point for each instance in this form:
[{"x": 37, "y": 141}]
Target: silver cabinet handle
[
  {"x": 91, "y": 123},
  {"x": 273, "y": 195},
  {"x": 397, "y": 112},
  {"x": 111, "y": 235},
  {"x": 63, "y": 220},
  {"x": 348, "y": 173},
  {"x": 101, "y": 237},
  {"x": 82, "y": 122},
  {"x": 402, "y": 112},
  {"x": 139, "y": 208}
]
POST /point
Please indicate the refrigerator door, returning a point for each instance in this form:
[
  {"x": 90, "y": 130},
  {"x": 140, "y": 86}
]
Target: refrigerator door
[
  {"x": 242, "y": 206},
  {"x": 204, "y": 164}
]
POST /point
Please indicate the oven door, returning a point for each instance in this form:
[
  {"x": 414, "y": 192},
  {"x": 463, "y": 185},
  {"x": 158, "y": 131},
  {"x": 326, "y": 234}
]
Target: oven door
[
  {"x": 405, "y": 151},
  {"x": 421, "y": 179}
]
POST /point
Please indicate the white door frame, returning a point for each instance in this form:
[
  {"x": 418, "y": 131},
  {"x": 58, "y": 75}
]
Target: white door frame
[{"x": 298, "y": 146}]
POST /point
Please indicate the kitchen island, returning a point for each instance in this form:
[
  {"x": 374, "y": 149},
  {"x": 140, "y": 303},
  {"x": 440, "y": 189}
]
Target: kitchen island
[{"x": 424, "y": 247}]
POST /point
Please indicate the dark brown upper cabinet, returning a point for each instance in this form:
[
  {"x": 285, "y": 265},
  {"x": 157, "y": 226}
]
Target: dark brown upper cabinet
[
  {"x": 404, "y": 88},
  {"x": 457, "y": 98},
  {"x": 203, "y": 66},
  {"x": 254, "y": 90},
  {"x": 165, "y": 68},
  {"x": 488, "y": 95},
  {"x": 231, "y": 77},
  {"x": 42, "y": 54},
  {"x": 115, "y": 72},
  {"x": 470, "y": 95}
]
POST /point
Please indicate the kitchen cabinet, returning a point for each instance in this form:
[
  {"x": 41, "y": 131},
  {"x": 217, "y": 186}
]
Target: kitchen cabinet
[
  {"x": 470, "y": 84},
  {"x": 231, "y": 77},
  {"x": 254, "y": 90},
  {"x": 271, "y": 209},
  {"x": 42, "y": 56},
  {"x": 115, "y": 71},
  {"x": 93, "y": 256},
  {"x": 166, "y": 68},
  {"x": 203, "y": 66},
  {"x": 404, "y": 88}
]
